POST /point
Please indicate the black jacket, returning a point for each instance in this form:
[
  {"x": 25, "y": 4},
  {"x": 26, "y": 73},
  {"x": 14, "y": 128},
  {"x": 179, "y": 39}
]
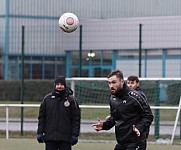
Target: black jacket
[
  {"x": 143, "y": 94},
  {"x": 59, "y": 116},
  {"x": 128, "y": 108}
]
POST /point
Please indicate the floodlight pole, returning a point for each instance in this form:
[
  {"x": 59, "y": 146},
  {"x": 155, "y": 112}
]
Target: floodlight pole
[
  {"x": 22, "y": 78},
  {"x": 140, "y": 48}
]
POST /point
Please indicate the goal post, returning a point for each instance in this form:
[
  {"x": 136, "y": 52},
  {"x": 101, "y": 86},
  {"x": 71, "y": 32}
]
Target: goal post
[{"x": 176, "y": 122}]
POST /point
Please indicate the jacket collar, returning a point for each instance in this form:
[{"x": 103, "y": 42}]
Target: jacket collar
[{"x": 123, "y": 91}]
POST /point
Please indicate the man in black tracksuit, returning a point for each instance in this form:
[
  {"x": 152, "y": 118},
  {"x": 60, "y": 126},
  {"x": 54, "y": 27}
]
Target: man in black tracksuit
[
  {"x": 133, "y": 82},
  {"x": 130, "y": 114},
  {"x": 59, "y": 118}
]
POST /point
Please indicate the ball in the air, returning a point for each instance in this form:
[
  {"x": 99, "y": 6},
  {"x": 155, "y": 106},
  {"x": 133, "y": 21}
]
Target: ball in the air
[{"x": 68, "y": 22}]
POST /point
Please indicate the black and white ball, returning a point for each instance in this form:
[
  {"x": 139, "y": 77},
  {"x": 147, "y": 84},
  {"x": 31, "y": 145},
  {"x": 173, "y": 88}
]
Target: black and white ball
[{"x": 68, "y": 22}]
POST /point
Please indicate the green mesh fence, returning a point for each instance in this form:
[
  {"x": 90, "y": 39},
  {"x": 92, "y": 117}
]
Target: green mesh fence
[
  {"x": 158, "y": 92},
  {"x": 93, "y": 90}
]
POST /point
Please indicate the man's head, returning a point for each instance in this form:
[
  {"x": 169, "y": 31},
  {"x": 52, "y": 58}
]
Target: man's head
[
  {"x": 115, "y": 81},
  {"x": 133, "y": 82},
  {"x": 60, "y": 83}
]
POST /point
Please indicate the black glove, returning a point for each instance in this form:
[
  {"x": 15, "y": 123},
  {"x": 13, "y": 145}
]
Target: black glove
[
  {"x": 40, "y": 138},
  {"x": 74, "y": 140}
]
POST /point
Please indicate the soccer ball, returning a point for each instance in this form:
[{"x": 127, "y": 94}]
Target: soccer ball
[{"x": 68, "y": 22}]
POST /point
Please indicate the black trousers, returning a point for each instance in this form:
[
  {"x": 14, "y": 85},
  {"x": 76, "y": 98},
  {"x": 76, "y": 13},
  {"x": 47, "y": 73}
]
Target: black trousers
[
  {"x": 141, "y": 145},
  {"x": 57, "y": 145}
]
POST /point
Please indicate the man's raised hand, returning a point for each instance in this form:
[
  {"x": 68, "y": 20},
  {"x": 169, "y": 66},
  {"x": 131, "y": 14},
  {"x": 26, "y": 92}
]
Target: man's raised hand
[{"x": 98, "y": 126}]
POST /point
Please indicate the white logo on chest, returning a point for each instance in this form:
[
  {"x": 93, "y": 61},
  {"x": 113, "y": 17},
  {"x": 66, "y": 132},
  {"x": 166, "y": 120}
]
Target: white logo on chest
[
  {"x": 124, "y": 101},
  {"x": 66, "y": 103},
  {"x": 114, "y": 99}
]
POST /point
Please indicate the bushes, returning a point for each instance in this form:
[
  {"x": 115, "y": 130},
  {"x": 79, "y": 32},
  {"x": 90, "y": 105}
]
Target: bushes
[{"x": 34, "y": 90}]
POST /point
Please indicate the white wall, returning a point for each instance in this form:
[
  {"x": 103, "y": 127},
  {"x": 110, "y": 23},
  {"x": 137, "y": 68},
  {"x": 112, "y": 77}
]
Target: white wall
[{"x": 154, "y": 68}]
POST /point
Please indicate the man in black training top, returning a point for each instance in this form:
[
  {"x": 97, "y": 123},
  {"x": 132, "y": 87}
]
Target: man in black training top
[{"x": 130, "y": 114}]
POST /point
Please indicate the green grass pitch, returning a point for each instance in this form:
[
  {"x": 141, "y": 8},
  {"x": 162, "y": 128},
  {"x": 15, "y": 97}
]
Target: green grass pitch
[{"x": 29, "y": 144}]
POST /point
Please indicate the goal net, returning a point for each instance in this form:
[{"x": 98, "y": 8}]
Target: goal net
[{"x": 163, "y": 95}]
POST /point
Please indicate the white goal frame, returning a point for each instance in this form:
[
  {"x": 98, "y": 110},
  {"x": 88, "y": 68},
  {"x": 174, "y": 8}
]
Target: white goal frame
[{"x": 176, "y": 122}]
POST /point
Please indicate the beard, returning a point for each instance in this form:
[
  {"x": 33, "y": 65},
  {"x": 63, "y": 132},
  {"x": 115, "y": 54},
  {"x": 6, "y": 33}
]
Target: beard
[{"x": 115, "y": 91}]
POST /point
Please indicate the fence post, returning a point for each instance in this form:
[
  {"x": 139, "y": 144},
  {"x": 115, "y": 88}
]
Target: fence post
[
  {"x": 7, "y": 122},
  {"x": 157, "y": 112},
  {"x": 80, "y": 52},
  {"x": 22, "y": 78},
  {"x": 140, "y": 48}
]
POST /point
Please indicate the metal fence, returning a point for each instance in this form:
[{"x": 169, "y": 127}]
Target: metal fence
[{"x": 170, "y": 128}]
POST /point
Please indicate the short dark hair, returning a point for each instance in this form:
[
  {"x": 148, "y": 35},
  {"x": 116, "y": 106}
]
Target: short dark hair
[
  {"x": 118, "y": 74},
  {"x": 133, "y": 78}
]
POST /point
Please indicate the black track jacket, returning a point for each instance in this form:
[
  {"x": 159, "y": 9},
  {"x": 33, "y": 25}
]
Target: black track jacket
[
  {"x": 59, "y": 116},
  {"x": 128, "y": 108}
]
